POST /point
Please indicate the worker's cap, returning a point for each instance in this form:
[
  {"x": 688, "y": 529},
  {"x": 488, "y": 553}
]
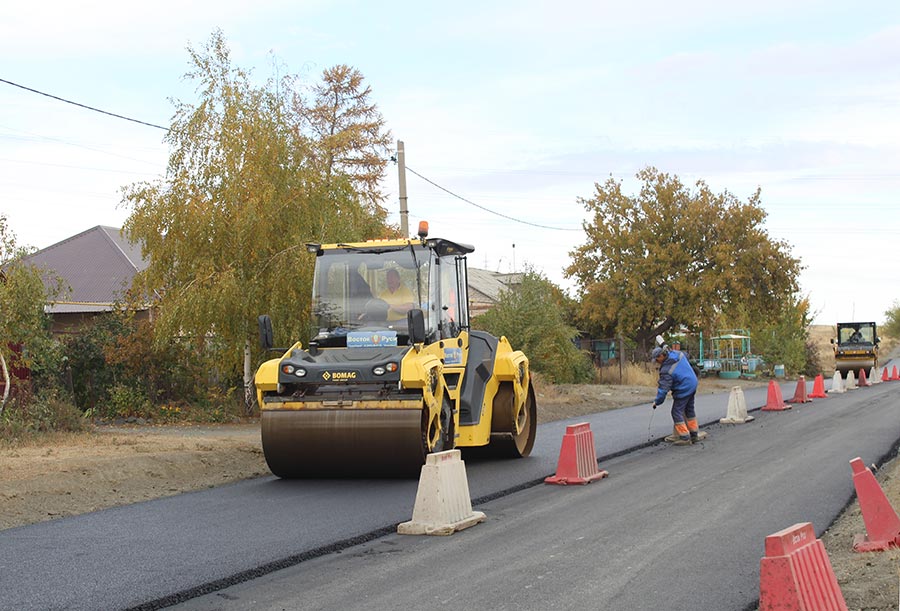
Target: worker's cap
[{"x": 657, "y": 351}]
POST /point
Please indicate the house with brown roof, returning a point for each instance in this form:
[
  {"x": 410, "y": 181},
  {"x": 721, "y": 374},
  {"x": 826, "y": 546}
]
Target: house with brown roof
[{"x": 96, "y": 266}]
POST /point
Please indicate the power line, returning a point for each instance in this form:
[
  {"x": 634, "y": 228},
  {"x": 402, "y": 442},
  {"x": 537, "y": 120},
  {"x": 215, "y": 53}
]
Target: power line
[
  {"x": 118, "y": 116},
  {"x": 471, "y": 203},
  {"x": 111, "y": 114},
  {"x": 32, "y": 137}
]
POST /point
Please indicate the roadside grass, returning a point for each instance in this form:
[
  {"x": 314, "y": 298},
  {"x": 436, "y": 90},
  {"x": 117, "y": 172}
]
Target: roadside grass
[
  {"x": 47, "y": 418},
  {"x": 51, "y": 439},
  {"x": 127, "y": 404}
]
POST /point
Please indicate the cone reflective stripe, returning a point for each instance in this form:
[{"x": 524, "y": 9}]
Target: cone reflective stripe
[
  {"x": 851, "y": 381},
  {"x": 837, "y": 383},
  {"x": 774, "y": 399},
  {"x": 881, "y": 520},
  {"x": 818, "y": 391},
  {"x": 577, "y": 458},
  {"x": 737, "y": 408},
  {"x": 863, "y": 381},
  {"x": 800, "y": 395},
  {"x": 796, "y": 573}
]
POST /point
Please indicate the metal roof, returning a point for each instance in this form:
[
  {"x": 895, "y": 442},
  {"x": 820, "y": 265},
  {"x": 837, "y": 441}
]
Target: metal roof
[
  {"x": 487, "y": 283},
  {"x": 97, "y": 267}
]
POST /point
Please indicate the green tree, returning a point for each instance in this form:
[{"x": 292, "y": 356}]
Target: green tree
[
  {"x": 532, "y": 317},
  {"x": 224, "y": 230},
  {"x": 348, "y": 133},
  {"x": 784, "y": 338},
  {"x": 23, "y": 295},
  {"x": 891, "y": 324},
  {"x": 672, "y": 256}
]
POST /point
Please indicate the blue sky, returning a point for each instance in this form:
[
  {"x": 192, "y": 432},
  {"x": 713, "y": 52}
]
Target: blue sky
[{"x": 518, "y": 106}]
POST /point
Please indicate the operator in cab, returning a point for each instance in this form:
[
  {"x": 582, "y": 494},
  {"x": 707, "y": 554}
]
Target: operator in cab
[{"x": 399, "y": 298}]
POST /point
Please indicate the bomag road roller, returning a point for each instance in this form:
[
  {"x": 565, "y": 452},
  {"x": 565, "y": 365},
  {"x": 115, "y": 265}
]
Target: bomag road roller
[
  {"x": 392, "y": 371},
  {"x": 855, "y": 348}
]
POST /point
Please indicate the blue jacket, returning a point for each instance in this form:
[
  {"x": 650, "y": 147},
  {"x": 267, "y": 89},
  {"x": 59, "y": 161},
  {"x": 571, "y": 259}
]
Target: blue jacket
[{"x": 676, "y": 374}]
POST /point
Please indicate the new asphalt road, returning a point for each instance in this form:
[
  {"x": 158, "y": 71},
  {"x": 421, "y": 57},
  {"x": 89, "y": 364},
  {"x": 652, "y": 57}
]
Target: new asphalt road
[{"x": 676, "y": 528}]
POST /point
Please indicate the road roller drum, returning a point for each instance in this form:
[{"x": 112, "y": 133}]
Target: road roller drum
[{"x": 343, "y": 443}]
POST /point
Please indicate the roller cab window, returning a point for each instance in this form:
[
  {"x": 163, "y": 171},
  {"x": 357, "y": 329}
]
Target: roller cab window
[{"x": 369, "y": 290}]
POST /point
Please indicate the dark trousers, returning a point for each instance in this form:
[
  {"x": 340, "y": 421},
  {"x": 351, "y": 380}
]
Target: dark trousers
[{"x": 684, "y": 417}]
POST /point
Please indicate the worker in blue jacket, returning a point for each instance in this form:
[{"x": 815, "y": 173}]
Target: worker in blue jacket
[{"x": 676, "y": 375}]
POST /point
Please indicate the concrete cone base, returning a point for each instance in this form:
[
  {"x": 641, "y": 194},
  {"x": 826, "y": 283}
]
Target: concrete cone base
[
  {"x": 737, "y": 408},
  {"x": 420, "y": 528},
  {"x": 875, "y": 376},
  {"x": 443, "y": 505},
  {"x": 837, "y": 384}
]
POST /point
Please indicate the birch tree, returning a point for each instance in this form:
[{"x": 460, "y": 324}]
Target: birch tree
[
  {"x": 23, "y": 295},
  {"x": 224, "y": 230}
]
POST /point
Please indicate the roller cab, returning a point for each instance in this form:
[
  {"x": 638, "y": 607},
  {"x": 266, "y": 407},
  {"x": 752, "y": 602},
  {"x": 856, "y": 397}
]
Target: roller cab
[
  {"x": 391, "y": 371},
  {"x": 856, "y": 347}
]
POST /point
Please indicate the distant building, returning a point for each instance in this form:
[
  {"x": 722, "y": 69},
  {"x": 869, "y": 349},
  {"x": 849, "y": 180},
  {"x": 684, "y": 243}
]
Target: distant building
[
  {"x": 97, "y": 267},
  {"x": 485, "y": 288}
]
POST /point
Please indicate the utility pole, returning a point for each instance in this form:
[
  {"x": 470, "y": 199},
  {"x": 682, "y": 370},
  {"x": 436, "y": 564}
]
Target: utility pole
[{"x": 401, "y": 169}]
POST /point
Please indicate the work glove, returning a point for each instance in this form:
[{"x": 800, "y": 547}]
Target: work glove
[{"x": 653, "y": 406}]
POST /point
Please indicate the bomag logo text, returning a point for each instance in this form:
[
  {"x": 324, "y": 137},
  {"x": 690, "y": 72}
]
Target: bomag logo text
[{"x": 338, "y": 376}]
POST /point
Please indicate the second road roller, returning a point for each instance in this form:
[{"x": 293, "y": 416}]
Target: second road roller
[
  {"x": 392, "y": 371},
  {"x": 856, "y": 347}
]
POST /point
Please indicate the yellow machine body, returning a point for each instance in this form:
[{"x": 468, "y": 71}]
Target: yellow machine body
[
  {"x": 856, "y": 347},
  {"x": 372, "y": 394}
]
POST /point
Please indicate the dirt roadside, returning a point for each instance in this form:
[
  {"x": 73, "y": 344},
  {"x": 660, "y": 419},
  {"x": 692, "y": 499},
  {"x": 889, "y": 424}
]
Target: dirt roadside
[{"x": 76, "y": 473}]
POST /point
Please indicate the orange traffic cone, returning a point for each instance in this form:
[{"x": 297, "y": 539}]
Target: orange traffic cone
[
  {"x": 862, "y": 379},
  {"x": 894, "y": 375},
  {"x": 774, "y": 400},
  {"x": 796, "y": 573},
  {"x": 800, "y": 395},
  {"x": 882, "y": 522},
  {"x": 818, "y": 388},
  {"x": 577, "y": 458}
]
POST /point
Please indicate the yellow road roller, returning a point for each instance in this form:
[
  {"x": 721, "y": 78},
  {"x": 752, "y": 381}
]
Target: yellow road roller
[
  {"x": 392, "y": 371},
  {"x": 856, "y": 347}
]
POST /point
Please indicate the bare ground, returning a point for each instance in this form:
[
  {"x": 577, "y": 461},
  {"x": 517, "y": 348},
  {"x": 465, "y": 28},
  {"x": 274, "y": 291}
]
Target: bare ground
[{"x": 65, "y": 475}]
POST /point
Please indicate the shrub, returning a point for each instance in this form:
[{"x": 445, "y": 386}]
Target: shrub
[
  {"x": 126, "y": 401},
  {"x": 46, "y": 412},
  {"x": 532, "y": 316}
]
